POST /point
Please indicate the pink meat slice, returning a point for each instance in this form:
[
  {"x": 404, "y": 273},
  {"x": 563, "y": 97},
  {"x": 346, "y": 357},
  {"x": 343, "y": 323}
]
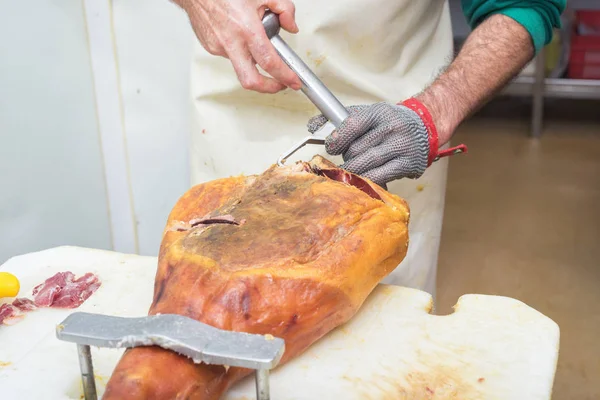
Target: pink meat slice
[
  {"x": 9, "y": 314},
  {"x": 64, "y": 291},
  {"x": 6, "y": 310},
  {"x": 24, "y": 304},
  {"x": 61, "y": 291}
]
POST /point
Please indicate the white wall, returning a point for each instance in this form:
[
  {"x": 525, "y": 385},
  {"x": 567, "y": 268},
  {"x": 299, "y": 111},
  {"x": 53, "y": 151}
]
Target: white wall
[
  {"x": 52, "y": 188},
  {"x": 154, "y": 49},
  {"x": 94, "y": 116}
]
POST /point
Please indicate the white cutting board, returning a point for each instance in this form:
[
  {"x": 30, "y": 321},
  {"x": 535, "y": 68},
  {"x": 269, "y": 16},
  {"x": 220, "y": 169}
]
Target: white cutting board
[{"x": 490, "y": 348}]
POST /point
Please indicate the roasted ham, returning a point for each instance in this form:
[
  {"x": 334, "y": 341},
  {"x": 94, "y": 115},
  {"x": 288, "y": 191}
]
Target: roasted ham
[{"x": 293, "y": 253}]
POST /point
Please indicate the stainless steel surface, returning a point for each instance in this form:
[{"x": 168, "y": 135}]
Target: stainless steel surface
[
  {"x": 317, "y": 138},
  {"x": 87, "y": 372},
  {"x": 198, "y": 341},
  {"x": 537, "y": 113},
  {"x": 271, "y": 24},
  {"x": 556, "y": 88},
  {"x": 312, "y": 86},
  {"x": 262, "y": 384},
  {"x": 191, "y": 338}
]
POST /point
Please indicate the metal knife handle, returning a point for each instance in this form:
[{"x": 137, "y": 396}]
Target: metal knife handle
[{"x": 312, "y": 86}]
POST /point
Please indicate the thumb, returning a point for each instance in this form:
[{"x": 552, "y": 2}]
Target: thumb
[{"x": 287, "y": 13}]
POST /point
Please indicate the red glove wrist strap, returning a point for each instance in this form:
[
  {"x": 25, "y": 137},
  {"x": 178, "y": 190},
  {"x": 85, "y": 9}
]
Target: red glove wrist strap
[{"x": 432, "y": 135}]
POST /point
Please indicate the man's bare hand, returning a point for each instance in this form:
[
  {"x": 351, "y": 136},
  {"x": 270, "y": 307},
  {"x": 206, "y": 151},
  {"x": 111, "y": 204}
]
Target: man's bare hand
[{"x": 233, "y": 29}]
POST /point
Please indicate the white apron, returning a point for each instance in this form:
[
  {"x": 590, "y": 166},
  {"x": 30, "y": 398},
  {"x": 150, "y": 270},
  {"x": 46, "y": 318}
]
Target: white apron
[{"x": 365, "y": 51}]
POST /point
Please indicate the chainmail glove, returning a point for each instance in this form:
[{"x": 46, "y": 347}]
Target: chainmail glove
[{"x": 382, "y": 142}]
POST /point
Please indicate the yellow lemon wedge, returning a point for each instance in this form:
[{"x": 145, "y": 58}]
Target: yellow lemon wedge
[{"x": 9, "y": 285}]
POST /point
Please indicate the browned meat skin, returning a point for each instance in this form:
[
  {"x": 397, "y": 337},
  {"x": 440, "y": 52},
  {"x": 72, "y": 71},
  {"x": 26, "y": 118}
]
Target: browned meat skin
[{"x": 310, "y": 251}]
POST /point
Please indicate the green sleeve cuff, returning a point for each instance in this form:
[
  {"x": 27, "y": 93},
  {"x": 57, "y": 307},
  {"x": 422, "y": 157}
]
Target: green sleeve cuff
[
  {"x": 538, "y": 17},
  {"x": 531, "y": 19}
]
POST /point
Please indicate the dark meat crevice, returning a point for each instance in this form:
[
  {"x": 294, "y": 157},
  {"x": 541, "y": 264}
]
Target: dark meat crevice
[
  {"x": 348, "y": 178},
  {"x": 221, "y": 219}
]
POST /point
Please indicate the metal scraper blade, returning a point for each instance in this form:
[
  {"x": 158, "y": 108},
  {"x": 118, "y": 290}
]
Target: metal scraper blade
[{"x": 316, "y": 138}]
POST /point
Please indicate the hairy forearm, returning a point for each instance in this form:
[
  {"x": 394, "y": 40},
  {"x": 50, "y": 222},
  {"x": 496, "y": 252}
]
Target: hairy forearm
[{"x": 493, "y": 54}]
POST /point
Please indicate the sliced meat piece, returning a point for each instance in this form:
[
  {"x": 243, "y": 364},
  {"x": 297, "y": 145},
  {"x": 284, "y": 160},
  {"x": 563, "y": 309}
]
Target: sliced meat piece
[
  {"x": 24, "y": 304},
  {"x": 45, "y": 293},
  {"x": 5, "y": 311},
  {"x": 78, "y": 291},
  {"x": 64, "y": 291},
  {"x": 61, "y": 291},
  {"x": 9, "y": 314}
]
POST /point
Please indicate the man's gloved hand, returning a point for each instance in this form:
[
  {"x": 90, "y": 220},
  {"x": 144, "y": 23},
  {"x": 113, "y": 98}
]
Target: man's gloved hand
[{"x": 382, "y": 142}]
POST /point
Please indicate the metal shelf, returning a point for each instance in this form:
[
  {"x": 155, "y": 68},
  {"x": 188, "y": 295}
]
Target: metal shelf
[
  {"x": 540, "y": 87},
  {"x": 556, "y": 88}
]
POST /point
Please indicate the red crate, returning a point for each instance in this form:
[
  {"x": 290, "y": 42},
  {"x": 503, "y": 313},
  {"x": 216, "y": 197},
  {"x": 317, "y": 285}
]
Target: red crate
[
  {"x": 588, "y": 22},
  {"x": 584, "y": 60}
]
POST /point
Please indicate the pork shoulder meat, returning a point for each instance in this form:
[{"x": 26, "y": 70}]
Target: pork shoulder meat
[{"x": 293, "y": 252}]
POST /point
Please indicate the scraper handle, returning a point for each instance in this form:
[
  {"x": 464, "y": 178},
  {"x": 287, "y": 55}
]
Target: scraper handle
[{"x": 312, "y": 86}]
